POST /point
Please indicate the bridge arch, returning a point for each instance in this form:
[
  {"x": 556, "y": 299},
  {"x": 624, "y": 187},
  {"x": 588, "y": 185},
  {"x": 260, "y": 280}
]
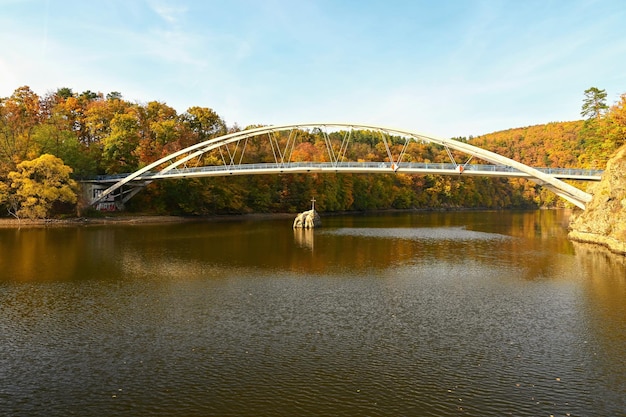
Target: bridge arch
[{"x": 180, "y": 158}]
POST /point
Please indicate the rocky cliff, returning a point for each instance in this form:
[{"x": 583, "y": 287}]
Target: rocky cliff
[{"x": 604, "y": 220}]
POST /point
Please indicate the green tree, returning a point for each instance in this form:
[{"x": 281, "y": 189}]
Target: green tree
[
  {"x": 41, "y": 185},
  {"x": 594, "y": 104},
  {"x": 65, "y": 93},
  {"x": 114, "y": 95}
]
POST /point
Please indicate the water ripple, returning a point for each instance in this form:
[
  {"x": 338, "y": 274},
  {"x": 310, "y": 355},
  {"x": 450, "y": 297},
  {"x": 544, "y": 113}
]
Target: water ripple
[{"x": 473, "y": 328}]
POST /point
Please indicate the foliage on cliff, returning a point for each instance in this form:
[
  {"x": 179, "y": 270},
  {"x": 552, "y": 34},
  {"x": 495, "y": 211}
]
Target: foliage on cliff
[
  {"x": 97, "y": 134},
  {"x": 604, "y": 220}
]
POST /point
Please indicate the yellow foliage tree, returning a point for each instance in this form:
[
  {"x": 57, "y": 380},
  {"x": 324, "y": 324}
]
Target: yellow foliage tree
[{"x": 38, "y": 185}]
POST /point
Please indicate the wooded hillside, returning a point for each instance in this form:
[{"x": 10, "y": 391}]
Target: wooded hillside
[{"x": 96, "y": 134}]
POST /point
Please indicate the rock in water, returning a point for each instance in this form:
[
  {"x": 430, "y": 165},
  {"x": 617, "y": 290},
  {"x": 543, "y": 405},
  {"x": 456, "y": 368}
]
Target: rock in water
[
  {"x": 604, "y": 220},
  {"x": 307, "y": 220}
]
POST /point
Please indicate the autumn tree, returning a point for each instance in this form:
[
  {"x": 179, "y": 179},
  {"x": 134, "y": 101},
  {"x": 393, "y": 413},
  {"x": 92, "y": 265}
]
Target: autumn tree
[
  {"x": 4, "y": 194},
  {"x": 57, "y": 132},
  {"x": 204, "y": 122},
  {"x": 19, "y": 114},
  {"x": 159, "y": 132},
  {"x": 39, "y": 186},
  {"x": 616, "y": 120},
  {"x": 119, "y": 150}
]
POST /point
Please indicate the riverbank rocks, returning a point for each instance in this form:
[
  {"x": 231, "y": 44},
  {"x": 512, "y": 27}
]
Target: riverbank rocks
[
  {"x": 604, "y": 220},
  {"x": 307, "y": 220}
]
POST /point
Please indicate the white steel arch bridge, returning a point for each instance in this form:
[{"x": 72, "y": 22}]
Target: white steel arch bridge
[{"x": 229, "y": 158}]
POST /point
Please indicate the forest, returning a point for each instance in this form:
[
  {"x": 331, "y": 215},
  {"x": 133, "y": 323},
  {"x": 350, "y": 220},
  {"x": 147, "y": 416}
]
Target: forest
[{"x": 49, "y": 143}]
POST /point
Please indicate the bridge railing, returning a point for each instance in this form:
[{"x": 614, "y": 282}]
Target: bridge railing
[
  {"x": 572, "y": 171},
  {"x": 373, "y": 165},
  {"x": 483, "y": 168}
]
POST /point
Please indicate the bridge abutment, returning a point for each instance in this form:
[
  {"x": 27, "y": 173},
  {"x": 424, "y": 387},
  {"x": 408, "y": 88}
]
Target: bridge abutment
[{"x": 92, "y": 191}]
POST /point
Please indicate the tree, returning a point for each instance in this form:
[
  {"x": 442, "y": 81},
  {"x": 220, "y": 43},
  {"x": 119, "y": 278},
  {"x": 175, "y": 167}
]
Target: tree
[
  {"x": 114, "y": 95},
  {"x": 119, "y": 147},
  {"x": 19, "y": 114},
  {"x": 39, "y": 186},
  {"x": 616, "y": 118},
  {"x": 594, "y": 104},
  {"x": 65, "y": 145},
  {"x": 159, "y": 132},
  {"x": 65, "y": 93},
  {"x": 4, "y": 193},
  {"x": 204, "y": 122}
]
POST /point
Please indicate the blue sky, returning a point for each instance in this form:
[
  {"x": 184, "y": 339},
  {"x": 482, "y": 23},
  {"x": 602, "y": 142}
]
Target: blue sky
[{"x": 446, "y": 68}]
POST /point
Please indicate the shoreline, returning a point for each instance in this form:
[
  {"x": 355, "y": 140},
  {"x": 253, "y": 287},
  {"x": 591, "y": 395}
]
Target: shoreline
[
  {"x": 134, "y": 219},
  {"x": 610, "y": 243},
  {"x": 138, "y": 218}
]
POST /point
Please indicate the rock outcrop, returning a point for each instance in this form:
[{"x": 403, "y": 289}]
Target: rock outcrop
[
  {"x": 307, "y": 220},
  {"x": 604, "y": 220}
]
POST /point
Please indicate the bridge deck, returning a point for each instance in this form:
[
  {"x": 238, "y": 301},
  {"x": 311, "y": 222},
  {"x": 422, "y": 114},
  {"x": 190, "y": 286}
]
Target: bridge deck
[{"x": 355, "y": 167}]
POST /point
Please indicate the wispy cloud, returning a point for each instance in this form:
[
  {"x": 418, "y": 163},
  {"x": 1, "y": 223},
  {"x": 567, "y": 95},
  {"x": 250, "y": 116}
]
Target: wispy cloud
[
  {"x": 446, "y": 68},
  {"x": 171, "y": 12}
]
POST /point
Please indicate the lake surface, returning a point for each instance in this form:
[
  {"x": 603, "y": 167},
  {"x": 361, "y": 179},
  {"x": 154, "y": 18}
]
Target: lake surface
[{"x": 413, "y": 314}]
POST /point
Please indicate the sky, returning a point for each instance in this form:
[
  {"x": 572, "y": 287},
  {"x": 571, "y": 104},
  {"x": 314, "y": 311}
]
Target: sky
[{"x": 446, "y": 68}]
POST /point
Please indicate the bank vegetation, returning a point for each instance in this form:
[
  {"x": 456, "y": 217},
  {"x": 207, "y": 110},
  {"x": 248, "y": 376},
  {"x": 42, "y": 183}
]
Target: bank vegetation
[{"x": 49, "y": 142}]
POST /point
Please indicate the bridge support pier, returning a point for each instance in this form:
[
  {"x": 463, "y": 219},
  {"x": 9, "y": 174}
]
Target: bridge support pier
[{"x": 93, "y": 190}]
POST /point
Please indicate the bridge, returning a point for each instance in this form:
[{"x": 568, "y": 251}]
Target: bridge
[{"x": 226, "y": 155}]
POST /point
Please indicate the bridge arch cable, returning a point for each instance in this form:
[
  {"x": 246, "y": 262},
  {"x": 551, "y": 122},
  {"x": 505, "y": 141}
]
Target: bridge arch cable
[
  {"x": 403, "y": 150},
  {"x": 329, "y": 147},
  {"x": 290, "y": 146},
  {"x": 282, "y": 148},
  {"x": 239, "y": 140},
  {"x": 336, "y": 151},
  {"x": 387, "y": 139},
  {"x": 459, "y": 167}
]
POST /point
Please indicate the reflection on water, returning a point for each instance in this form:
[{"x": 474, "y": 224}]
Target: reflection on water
[
  {"x": 605, "y": 291},
  {"x": 305, "y": 238},
  {"x": 433, "y": 314},
  {"x": 361, "y": 242}
]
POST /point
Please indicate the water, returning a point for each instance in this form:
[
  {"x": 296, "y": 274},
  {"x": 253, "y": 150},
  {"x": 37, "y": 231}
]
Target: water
[{"x": 424, "y": 314}]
